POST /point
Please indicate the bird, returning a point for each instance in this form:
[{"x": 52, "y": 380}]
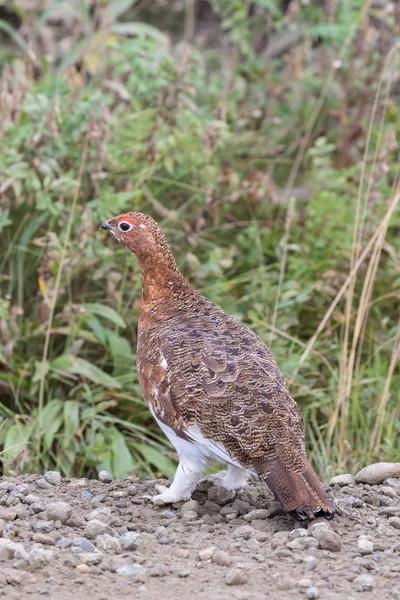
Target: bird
[{"x": 213, "y": 386}]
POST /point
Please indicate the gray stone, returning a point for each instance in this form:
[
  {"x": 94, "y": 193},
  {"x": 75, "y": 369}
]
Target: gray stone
[
  {"x": 394, "y": 522},
  {"x": 342, "y": 480},
  {"x": 129, "y": 540},
  {"x": 100, "y": 514},
  {"x": 43, "y": 538},
  {"x": 312, "y": 592},
  {"x": 64, "y": 543},
  {"x": 43, "y": 484},
  {"x": 222, "y": 558},
  {"x": 206, "y": 553},
  {"x": 244, "y": 531},
  {"x": 59, "y": 511},
  {"x": 10, "y": 549},
  {"x": 364, "y": 545},
  {"x": 235, "y": 577},
  {"x": 327, "y": 538},
  {"x": 8, "y": 514},
  {"x": 84, "y": 545},
  {"x": 257, "y": 513},
  {"x": 95, "y": 528},
  {"x": 108, "y": 543},
  {"x": 132, "y": 570},
  {"x": 190, "y": 507},
  {"x": 220, "y": 495},
  {"x": 305, "y": 582},
  {"x": 310, "y": 562},
  {"x": 159, "y": 570},
  {"x": 378, "y": 472},
  {"x": 164, "y": 541},
  {"x": 365, "y": 583},
  {"x": 90, "y": 558},
  {"x": 53, "y": 477},
  {"x": 86, "y": 495},
  {"x": 37, "y": 507},
  {"x": 39, "y": 557},
  {"x": 43, "y": 526},
  {"x": 32, "y": 499},
  {"x": 105, "y": 477},
  {"x": 393, "y": 482}
]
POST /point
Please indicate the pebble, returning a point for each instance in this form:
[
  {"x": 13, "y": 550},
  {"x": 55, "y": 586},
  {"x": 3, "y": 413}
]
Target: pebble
[
  {"x": 100, "y": 514},
  {"x": 365, "y": 546},
  {"x": 245, "y": 531},
  {"x": 43, "y": 538},
  {"x": 8, "y": 514},
  {"x": 342, "y": 480},
  {"x": 132, "y": 570},
  {"x": 377, "y": 473},
  {"x": 327, "y": 538},
  {"x": 305, "y": 582},
  {"x": 365, "y": 583},
  {"x": 83, "y": 568},
  {"x": 85, "y": 495},
  {"x": 43, "y": 526},
  {"x": 91, "y": 558},
  {"x": 108, "y": 543},
  {"x": 190, "y": 507},
  {"x": 164, "y": 541},
  {"x": 394, "y": 522},
  {"x": 129, "y": 540},
  {"x": 95, "y": 528},
  {"x": 257, "y": 513},
  {"x": 159, "y": 570},
  {"x": 222, "y": 558},
  {"x": 206, "y": 553},
  {"x": 39, "y": 557},
  {"x": 310, "y": 562},
  {"x": 220, "y": 495},
  {"x": 43, "y": 484},
  {"x": 235, "y": 577},
  {"x": 84, "y": 544},
  {"x": 105, "y": 477},
  {"x": 59, "y": 511},
  {"x": 393, "y": 482},
  {"x": 312, "y": 592},
  {"x": 53, "y": 477}
]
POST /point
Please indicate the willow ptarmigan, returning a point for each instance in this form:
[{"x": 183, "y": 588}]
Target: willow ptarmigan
[{"x": 213, "y": 386}]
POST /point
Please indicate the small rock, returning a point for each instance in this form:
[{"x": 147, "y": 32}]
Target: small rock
[
  {"x": 95, "y": 528},
  {"x": 53, "y": 477},
  {"x": 184, "y": 573},
  {"x": 393, "y": 482},
  {"x": 64, "y": 543},
  {"x": 365, "y": 583},
  {"x": 43, "y": 484},
  {"x": 312, "y": 592},
  {"x": 159, "y": 570},
  {"x": 83, "y": 568},
  {"x": 207, "y": 553},
  {"x": 132, "y": 570},
  {"x": 105, "y": 477},
  {"x": 394, "y": 522},
  {"x": 257, "y": 513},
  {"x": 8, "y": 514},
  {"x": 235, "y": 577},
  {"x": 101, "y": 514},
  {"x": 43, "y": 526},
  {"x": 191, "y": 506},
  {"x": 190, "y": 515},
  {"x": 220, "y": 495},
  {"x": 304, "y": 583},
  {"x": 164, "y": 541},
  {"x": 378, "y": 472},
  {"x": 310, "y": 563},
  {"x": 244, "y": 531},
  {"x": 43, "y": 538},
  {"x": 129, "y": 540},
  {"x": 84, "y": 545},
  {"x": 297, "y": 533},
  {"x": 327, "y": 538},
  {"x": 59, "y": 511},
  {"x": 85, "y": 495},
  {"x": 91, "y": 558},
  {"x": 365, "y": 546},
  {"x": 341, "y": 480},
  {"x": 108, "y": 543},
  {"x": 39, "y": 557},
  {"x": 222, "y": 558}
]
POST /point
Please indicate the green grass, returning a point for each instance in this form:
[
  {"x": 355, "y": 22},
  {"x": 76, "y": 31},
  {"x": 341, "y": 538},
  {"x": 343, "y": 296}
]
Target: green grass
[{"x": 272, "y": 178}]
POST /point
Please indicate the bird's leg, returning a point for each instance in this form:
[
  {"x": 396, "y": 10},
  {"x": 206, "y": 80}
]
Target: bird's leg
[
  {"x": 186, "y": 478},
  {"x": 234, "y": 479}
]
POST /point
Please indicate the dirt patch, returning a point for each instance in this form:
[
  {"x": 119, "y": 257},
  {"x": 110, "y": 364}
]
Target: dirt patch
[{"x": 91, "y": 539}]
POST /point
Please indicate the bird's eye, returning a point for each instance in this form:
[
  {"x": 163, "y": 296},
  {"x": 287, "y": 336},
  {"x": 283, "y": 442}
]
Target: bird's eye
[{"x": 124, "y": 226}]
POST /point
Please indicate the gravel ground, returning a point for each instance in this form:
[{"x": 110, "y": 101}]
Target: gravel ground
[{"x": 100, "y": 539}]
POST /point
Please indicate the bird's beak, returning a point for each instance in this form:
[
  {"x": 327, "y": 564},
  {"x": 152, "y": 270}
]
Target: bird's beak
[{"x": 105, "y": 226}]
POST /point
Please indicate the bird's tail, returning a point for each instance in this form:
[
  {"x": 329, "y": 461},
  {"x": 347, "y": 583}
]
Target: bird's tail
[{"x": 300, "y": 493}]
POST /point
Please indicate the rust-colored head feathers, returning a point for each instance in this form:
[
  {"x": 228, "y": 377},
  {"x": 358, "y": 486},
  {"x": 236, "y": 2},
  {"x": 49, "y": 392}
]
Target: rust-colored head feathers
[{"x": 213, "y": 386}]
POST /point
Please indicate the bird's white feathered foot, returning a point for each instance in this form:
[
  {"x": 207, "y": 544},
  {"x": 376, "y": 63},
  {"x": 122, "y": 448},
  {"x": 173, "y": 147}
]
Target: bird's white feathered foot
[
  {"x": 185, "y": 481},
  {"x": 234, "y": 479}
]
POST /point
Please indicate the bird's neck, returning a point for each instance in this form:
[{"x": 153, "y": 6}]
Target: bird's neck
[{"x": 161, "y": 276}]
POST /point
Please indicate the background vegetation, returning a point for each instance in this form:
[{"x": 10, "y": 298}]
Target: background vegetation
[{"x": 263, "y": 137}]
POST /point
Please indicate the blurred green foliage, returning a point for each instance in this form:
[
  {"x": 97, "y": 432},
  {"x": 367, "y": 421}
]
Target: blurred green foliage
[{"x": 205, "y": 139}]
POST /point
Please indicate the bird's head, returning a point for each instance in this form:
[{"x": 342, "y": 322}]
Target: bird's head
[{"x": 138, "y": 232}]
